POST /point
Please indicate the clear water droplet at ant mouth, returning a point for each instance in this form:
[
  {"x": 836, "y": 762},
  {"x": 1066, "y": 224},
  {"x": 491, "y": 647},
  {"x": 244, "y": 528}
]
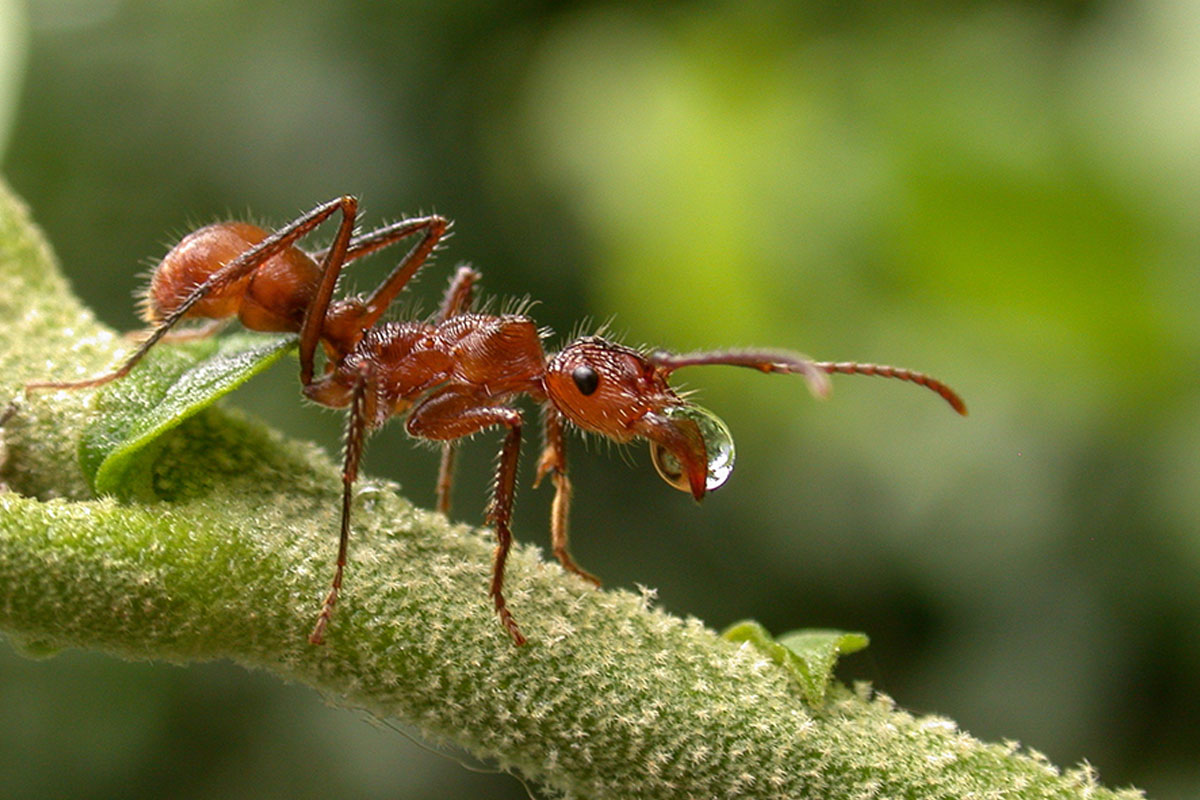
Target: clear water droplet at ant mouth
[{"x": 718, "y": 448}]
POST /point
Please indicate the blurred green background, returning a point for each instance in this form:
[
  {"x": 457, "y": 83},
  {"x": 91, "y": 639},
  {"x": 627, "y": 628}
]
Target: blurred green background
[{"x": 1003, "y": 194}]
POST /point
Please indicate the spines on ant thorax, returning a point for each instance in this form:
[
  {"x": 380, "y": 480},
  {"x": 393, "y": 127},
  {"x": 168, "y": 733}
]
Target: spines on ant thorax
[{"x": 499, "y": 354}]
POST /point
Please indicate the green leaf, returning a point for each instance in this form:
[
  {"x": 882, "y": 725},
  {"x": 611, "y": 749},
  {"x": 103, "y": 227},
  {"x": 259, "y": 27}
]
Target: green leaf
[
  {"x": 171, "y": 384},
  {"x": 610, "y": 699},
  {"x": 809, "y": 654},
  {"x": 14, "y": 50}
]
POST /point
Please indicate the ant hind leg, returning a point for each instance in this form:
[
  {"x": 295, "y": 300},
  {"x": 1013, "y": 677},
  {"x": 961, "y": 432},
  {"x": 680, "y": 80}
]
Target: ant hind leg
[
  {"x": 230, "y": 272},
  {"x": 209, "y": 328},
  {"x": 356, "y": 429}
]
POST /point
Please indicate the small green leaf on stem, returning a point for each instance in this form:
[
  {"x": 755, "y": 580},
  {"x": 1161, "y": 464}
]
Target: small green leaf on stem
[
  {"x": 809, "y": 654},
  {"x": 168, "y": 386}
]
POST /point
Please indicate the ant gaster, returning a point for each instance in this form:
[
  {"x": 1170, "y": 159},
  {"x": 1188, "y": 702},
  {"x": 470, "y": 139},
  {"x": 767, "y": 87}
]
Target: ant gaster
[{"x": 454, "y": 374}]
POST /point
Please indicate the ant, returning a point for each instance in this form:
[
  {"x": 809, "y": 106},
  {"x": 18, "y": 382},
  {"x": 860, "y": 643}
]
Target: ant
[{"x": 454, "y": 374}]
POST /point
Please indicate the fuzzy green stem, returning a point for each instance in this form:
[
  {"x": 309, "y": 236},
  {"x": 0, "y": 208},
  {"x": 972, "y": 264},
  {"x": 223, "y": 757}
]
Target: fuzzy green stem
[{"x": 228, "y": 550}]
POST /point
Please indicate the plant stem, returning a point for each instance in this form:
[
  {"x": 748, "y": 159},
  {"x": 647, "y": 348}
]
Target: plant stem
[{"x": 228, "y": 550}]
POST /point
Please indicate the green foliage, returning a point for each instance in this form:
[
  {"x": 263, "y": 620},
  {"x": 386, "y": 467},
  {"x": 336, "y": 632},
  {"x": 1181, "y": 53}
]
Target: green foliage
[
  {"x": 170, "y": 385},
  {"x": 810, "y": 655},
  {"x": 13, "y": 46},
  {"x": 227, "y": 554},
  {"x": 1001, "y": 193}
]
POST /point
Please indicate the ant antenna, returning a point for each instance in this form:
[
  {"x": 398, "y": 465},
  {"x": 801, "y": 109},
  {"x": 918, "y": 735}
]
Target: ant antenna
[
  {"x": 900, "y": 374},
  {"x": 814, "y": 372},
  {"x": 779, "y": 361}
]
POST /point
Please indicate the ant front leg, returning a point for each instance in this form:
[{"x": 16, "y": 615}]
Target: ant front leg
[
  {"x": 554, "y": 461},
  {"x": 456, "y": 301},
  {"x": 450, "y": 415}
]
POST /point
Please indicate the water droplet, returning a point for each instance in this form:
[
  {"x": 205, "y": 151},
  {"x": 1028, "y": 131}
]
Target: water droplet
[
  {"x": 368, "y": 495},
  {"x": 718, "y": 448}
]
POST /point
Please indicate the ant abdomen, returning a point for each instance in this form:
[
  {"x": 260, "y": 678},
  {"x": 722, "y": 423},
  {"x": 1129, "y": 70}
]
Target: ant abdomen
[{"x": 271, "y": 298}]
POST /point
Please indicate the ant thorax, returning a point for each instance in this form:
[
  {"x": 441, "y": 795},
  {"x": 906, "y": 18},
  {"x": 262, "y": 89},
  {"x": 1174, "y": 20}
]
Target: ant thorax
[
  {"x": 501, "y": 355},
  {"x": 406, "y": 360}
]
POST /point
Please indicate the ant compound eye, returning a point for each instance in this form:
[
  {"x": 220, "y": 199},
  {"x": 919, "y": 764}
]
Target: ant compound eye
[
  {"x": 586, "y": 380},
  {"x": 718, "y": 449}
]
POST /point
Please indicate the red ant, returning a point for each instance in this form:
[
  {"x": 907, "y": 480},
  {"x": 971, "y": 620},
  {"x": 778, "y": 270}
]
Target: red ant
[{"x": 454, "y": 374}]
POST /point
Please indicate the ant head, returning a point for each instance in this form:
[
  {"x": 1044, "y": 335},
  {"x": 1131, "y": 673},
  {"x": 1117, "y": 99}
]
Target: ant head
[{"x": 618, "y": 392}]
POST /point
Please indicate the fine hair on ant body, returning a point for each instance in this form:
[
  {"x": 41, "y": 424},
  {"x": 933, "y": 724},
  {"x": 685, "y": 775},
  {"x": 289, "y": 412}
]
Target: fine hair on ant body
[{"x": 454, "y": 374}]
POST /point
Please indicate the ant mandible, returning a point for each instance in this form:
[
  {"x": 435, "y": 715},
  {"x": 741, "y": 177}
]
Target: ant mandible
[{"x": 454, "y": 374}]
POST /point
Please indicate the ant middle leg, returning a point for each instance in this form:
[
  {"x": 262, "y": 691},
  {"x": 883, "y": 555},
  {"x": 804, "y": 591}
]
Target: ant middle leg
[
  {"x": 434, "y": 228},
  {"x": 456, "y": 301},
  {"x": 451, "y": 415},
  {"x": 459, "y": 293},
  {"x": 445, "y": 479}
]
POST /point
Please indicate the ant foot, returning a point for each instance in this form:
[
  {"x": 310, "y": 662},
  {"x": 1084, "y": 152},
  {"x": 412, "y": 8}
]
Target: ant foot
[
  {"x": 318, "y": 634},
  {"x": 507, "y": 620}
]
